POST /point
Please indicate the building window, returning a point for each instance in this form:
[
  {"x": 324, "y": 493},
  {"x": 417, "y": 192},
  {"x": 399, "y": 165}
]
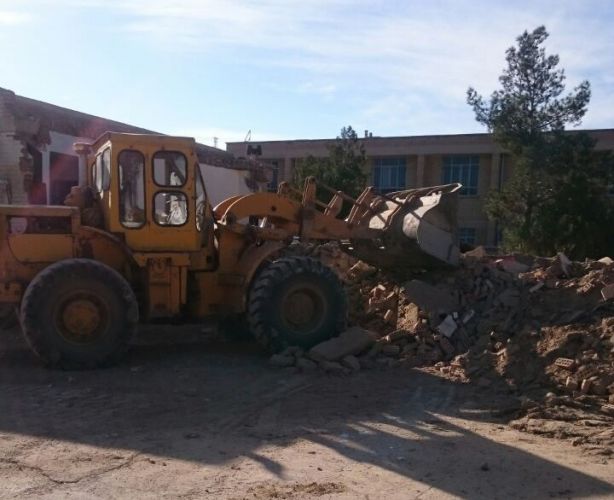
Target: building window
[
  {"x": 463, "y": 169},
  {"x": 272, "y": 186},
  {"x": 466, "y": 235},
  {"x": 389, "y": 174}
]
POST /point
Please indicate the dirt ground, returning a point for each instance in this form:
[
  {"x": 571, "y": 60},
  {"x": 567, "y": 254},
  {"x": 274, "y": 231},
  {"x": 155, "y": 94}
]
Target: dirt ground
[{"x": 189, "y": 416}]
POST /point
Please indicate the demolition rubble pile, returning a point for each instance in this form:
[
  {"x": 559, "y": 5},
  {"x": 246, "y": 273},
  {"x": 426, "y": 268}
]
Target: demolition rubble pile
[{"x": 535, "y": 324}]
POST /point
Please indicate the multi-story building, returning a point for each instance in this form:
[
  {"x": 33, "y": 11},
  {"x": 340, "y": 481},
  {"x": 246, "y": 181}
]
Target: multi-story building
[{"x": 397, "y": 163}]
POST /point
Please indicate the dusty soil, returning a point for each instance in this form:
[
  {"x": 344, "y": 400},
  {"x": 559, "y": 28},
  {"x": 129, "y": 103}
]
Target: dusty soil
[{"x": 187, "y": 416}]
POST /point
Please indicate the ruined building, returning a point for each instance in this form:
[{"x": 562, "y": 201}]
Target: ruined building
[{"x": 38, "y": 164}]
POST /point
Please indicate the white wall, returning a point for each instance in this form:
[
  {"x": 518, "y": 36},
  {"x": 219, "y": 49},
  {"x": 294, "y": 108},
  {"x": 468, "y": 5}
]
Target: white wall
[{"x": 222, "y": 183}]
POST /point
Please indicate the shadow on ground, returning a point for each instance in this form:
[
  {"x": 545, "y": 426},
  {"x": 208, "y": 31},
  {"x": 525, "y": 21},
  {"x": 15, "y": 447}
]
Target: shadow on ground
[{"x": 208, "y": 402}]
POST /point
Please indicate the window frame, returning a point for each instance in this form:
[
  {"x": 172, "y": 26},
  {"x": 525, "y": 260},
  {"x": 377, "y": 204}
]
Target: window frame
[
  {"x": 273, "y": 185},
  {"x": 96, "y": 174},
  {"x": 447, "y": 173},
  {"x": 119, "y": 194},
  {"x": 200, "y": 181},
  {"x": 472, "y": 231},
  {"x": 400, "y": 166},
  {"x": 92, "y": 174},
  {"x": 175, "y": 192},
  {"x": 153, "y": 169},
  {"x": 105, "y": 183}
]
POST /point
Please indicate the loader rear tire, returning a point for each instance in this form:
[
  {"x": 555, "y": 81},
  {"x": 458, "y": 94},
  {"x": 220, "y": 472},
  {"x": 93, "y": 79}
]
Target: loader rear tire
[
  {"x": 296, "y": 301},
  {"x": 79, "y": 314}
]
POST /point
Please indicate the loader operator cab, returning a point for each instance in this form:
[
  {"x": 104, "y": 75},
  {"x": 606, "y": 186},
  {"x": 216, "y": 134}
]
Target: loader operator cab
[{"x": 150, "y": 191}]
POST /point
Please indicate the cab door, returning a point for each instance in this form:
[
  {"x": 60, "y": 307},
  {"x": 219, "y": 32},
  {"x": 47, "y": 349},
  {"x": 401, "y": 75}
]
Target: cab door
[{"x": 157, "y": 206}]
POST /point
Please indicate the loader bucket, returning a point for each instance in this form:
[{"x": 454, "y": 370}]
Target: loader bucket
[{"x": 418, "y": 230}]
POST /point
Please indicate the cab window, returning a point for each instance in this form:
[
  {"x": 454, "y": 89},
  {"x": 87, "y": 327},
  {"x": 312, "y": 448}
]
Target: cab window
[
  {"x": 169, "y": 168},
  {"x": 201, "y": 199},
  {"x": 102, "y": 170},
  {"x": 131, "y": 170},
  {"x": 170, "y": 208}
]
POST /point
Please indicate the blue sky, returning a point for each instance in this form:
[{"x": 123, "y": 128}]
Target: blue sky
[{"x": 288, "y": 69}]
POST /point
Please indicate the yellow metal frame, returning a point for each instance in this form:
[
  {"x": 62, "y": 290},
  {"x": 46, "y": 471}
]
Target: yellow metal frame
[{"x": 180, "y": 270}]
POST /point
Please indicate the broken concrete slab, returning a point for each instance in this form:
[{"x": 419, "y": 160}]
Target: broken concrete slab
[
  {"x": 565, "y": 263},
  {"x": 429, "y": 297},
  {"x": 361, "y": 270},
  {"x": 282, "y": 360},
  {"x": 608, "y": 292},
  {"x": 332, "y": 367},
  {"x": 408, "y": 316},
  {"x": 352, "y": 341},
  {"x": 448, "y": 326},
  {"x": 351, "y": 362},
  {"x": 397, "y": 335},
  {"x": 391, "y": 350},
  {"x": 478, "y": 252},
  {"x": 446, "y": 346},
  {"x": 468, "y": 316},
  {"x": 512, "y": 266},
  {"x": 509, "y": 298},
  {"x": 290, "y": 351},
  {"x": 306, "y": 365},
  {"x": 536, "y": 287}
]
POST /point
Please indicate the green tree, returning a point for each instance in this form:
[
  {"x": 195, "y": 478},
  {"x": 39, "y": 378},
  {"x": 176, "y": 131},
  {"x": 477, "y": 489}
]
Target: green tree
[
  {"x": 556, "y": 198},
  {"x": 530, "y": 100},
  {"x": 577, "y": 217},
  {"x": 344, "y": 168}
]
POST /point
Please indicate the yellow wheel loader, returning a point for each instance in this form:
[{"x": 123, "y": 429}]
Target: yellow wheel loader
[{"x": 140, "y": 242}]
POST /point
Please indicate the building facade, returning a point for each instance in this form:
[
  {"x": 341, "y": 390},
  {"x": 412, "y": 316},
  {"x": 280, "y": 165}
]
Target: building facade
[
  {"x": 38, "y": 164},
  {"x": 397, "y": 163}
]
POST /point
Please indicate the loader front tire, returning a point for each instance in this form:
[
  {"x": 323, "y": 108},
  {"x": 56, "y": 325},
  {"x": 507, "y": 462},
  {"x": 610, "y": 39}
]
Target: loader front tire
[
  {"x": 296, "y": 301},
  {"x": 79, "y": 314}
]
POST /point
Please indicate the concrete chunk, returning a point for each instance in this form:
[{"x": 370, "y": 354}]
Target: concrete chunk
[
  {"x": 332, "y": 367},
  {"x": 608, "y": 292},
  {"x": 468, "y": 316},
  {"x": 352, "y": 341},
  {"x": 282, "y": 360},
  {"x": 391, "y": 350},
  {"x": 565, "y": 263},
  {"x": 428, "y": 297},
  {"x": 446, "y": 346},
  {"x": 509, "y": 298},
  {"x": 447, "y": 327},
  {"x": 351, "y": 362},
  {"x": 512, "y": 266},
  {"x": 536, "y": 287},
  {"x": 306, "y": 365},
  {"x": 477, "y": 253}
]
